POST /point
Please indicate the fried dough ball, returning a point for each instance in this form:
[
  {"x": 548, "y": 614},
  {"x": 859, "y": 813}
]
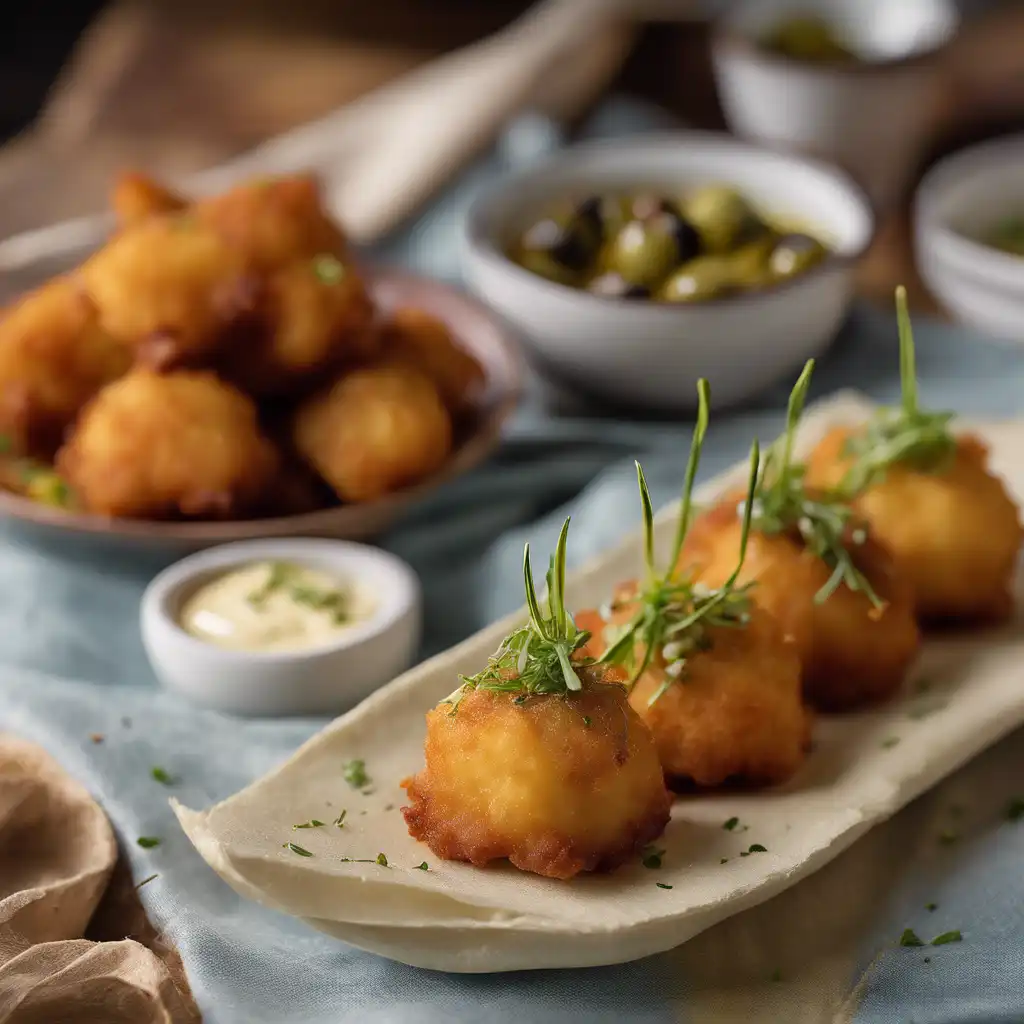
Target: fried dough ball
[
  {"x": 54, "y": 357},
  {"x": 136, "y": 197},
  {"x": 171, "y": 289},
  {"x": 852, "y": 654},
  {"x": 160, "y": 446},
  {"x": 955, "y": 534},
  {"x": 314, "y": 315},
  {"x": 274, "y": 221},
  {"x": 735, "y": 715},
  {"x": 424, "y": 341},
  {"x": 373, "y": 431},
  {"x": 557, "y": 784}
]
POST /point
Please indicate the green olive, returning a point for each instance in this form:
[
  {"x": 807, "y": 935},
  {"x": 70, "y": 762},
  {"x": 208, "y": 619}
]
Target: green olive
[
  {"x": 604, "y": 215},
  {"x": 643, "y": 252},
  {"x": 707, "y": 277},
  {"x": 793, "y": 254},
  {"x": 723, "y": 218}
]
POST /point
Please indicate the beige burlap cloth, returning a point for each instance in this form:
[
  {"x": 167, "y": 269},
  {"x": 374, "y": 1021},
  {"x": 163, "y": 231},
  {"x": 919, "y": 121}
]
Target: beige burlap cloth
[{"x": 61, "y": 889}]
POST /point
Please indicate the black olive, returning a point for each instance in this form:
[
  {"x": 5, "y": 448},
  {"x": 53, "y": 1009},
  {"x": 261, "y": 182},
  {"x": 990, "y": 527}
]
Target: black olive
[
  {"x": 566, "y": 245},
  {"x": 615, "y": 286},
  {"x": 685, "y": 235}
]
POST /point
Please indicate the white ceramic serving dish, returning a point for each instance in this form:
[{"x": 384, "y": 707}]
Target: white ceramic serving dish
[
  {"x": 648, "y": 353},
  {"x": 965, "y": 694},
  {"x": 871, "y": 117},
  {"x": 960, "y": 198},
  {"x": 320, "y": 680}
]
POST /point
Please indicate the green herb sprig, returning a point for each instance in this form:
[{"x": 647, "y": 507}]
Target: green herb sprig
[
  {"x": 904, "y": 435},
  {"x": 673, "y": 613},
  {"x": 782, "y": 504},
  {"x": 539, "y": 656}
]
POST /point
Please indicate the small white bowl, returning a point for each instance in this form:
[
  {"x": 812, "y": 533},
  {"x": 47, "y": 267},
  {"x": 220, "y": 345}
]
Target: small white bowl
[
  {"x": 872, "y": 117},
  {"x": 321, "y": 680},
  {"x": 652, "y": 353},
  {"x": 959, "y": 199}
]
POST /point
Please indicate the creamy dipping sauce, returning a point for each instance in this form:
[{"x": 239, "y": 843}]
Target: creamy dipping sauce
[{"x": 275, "y": 606}]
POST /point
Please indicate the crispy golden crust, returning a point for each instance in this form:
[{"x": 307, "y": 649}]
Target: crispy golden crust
[
  {"x": 54, "y": 357},
  {"x": 373, "y": 431},
  {"x": 425, "y": 342},
  {"x": 955, "y": 535},
  {"x": 136, "y": 197},
  {"x": 535, "y": 783},
  {"x": 851, "y": 653},
  {"x": 162, "y": 446},
  {"x": 737, "y": 714},
  {"x": 172, "y": 290}
]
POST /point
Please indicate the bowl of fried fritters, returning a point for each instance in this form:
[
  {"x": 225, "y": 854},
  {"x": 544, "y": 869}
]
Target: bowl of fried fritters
[{"x": 223, "y": 368}]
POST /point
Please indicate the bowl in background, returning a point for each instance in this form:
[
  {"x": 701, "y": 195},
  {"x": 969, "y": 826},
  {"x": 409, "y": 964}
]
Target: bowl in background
[
  {"x": 873, "y": 116},
  {"x": 321, "y": 680},
  {"x": 958, "y": 200},
  {"x": 472, "y": 326},
  {"x": 651, "y": 354}
]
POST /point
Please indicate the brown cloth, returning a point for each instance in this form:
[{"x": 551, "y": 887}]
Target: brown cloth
[{"x": 59, "y": 873}]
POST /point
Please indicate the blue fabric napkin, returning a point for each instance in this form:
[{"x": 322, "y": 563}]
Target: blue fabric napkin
[{"x": 74, "y": 665}]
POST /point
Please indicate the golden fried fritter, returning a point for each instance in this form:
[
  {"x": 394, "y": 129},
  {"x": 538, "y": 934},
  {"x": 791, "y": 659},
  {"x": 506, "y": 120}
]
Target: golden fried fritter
[
  {"x": 54, "y": 357},
  {"x": 274, "y": 221},
  {"x": 954, "y": 533},
  {"x": 557, "y": 784},
  {"x": 171, "y": 289},
  {"x": 314, "y": 315},
  {"x": 136, "y": 197},
  {"x": 851, "y": 653},
  {"x": 424, "y": 341},
  {"x": 162, "y": 446},
  {"x": 373, "y": 431},
  {"x": 736, "y": 714}
]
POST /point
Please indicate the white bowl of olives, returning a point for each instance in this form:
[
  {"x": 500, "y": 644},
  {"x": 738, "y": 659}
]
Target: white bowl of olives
[{"x": 634, "y": 267}]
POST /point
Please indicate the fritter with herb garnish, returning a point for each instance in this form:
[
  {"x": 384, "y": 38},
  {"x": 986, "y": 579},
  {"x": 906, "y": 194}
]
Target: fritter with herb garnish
[
  {"x": 831, "y": 586},
  {"x": 928, "y": 495},
  {"x": 706, "y": 669},
  {"x": 539, "y": 759}
]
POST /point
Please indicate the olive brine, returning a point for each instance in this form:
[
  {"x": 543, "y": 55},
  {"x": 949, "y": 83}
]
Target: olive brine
[{"x": 707, "y": 245}]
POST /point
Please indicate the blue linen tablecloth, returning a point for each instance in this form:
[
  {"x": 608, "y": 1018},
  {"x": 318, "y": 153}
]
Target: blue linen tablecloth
[{"x": 74, "y": 666}]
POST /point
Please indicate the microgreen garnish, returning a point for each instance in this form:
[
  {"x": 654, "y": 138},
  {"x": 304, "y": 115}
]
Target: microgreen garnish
[
  {"x": 537, "y": 657},
  {"x": 423, "y": 867},
  {"x": 662, "y": 885},
  {"x": 586, "y": 721},
  {"x": 382, "y": 860},
  {"x": 946, "y": 938},
  {"x": 328, "y": 268},
  {"x": 281, "y": 576},
  {"x": 931, "y": 906},
  {"x": 278, "y": 575},
  {"x": 295, "y": 848},
  {"x": 162, "y": 776},
  {"x": 910, "y": 938},
  {"x": 890, "y": 742},
  {"x": 339, "y": 821},
  {"x": 379, "y": 859},
  {"x": 148, "y": 842},
  {"x": 1015, "y": 812},
  {"x": 782, "y": 504},
  {"x": 674, "y": 613},
  {"x": 312, "y": 823},
  {"x": 145, "y": 881},
  {"x": 905, "y": 435},
  {"x": 652, "y": 857},
  {"x": 731, "y": 824},
  {"x": 354, "y": 773}
]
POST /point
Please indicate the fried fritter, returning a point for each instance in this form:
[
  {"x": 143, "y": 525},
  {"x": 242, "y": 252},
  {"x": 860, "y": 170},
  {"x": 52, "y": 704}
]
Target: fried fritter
[
  {"x": 373, "y": 431},
  {"x": 415, "y": 336},
  {"x": 171, "y": 289},
  {"x": 851, "y": 653},
  {"x": 54, "y": 357},
  {"x": 557, "y": 784},
  {"x": 736, "y": 714},
  {"x": 160, "y": 446},
  {"x": 273, "y": 222},
  {"x": 955, "y": 533},
  {"x": 136, "y": 197}
]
